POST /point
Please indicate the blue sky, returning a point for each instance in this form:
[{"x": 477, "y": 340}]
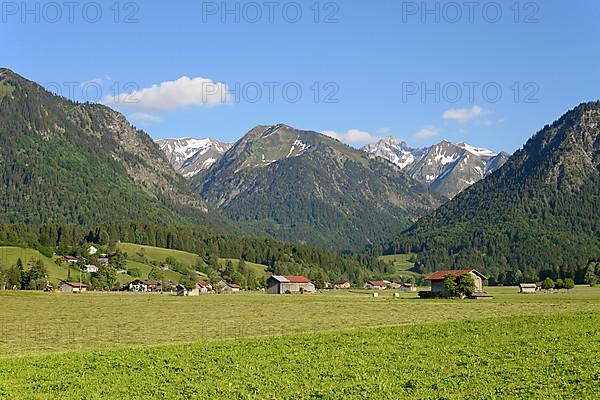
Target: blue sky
[{"x": 371, "y": 63}]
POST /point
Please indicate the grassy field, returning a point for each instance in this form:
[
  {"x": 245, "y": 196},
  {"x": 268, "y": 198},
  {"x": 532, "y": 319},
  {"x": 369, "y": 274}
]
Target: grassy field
[
  {"x": 549, "y": 357},
  {"x": 331, "y": 345},
  {"x": 258, "y": 269},
  {"x": 401, "y": 264},
  {"x": 33, "y": 323},
  {"x": 10, "y": 255},
  {"x": 157, "y": 254}
]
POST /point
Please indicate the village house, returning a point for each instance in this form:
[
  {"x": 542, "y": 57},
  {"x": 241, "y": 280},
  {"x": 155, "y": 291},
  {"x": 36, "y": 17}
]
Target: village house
[
  {"x": 228, "y": 287},
  {"x": 282, "y": 284},
  {"x": 377, "y": 285},
  {"x": 144, "y": 286},
  {"x": 71, "y": 259},
  {"x": 92, "y": 250},
  {"x": 72, "y": 287},
  {"x": 92, "y": 269},
  {"x": 408, "y": 288},
  {"x": 103, "y": 261},
  {"x": 341, "y": 285},
  {"x": 197, "y": 290},
  {"x": 437, "y": 281},
  {"x": 165, "y": 267},
  {"x": 528, "y": 288}
]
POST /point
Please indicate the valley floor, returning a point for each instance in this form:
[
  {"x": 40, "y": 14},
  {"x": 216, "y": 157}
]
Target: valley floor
[{"x": 337, "y": 345}]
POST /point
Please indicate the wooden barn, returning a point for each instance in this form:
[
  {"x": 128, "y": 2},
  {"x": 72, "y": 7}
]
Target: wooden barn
[
  {"x": 72, "y": 287},
  {"x": 281, "y": 284},
  {"x": 528, "y": 288},
  {"x": 437, "y": 280}
]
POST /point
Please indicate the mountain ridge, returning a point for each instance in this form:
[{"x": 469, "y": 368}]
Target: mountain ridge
[
  {"x": 304, "y": 186},
  {"x": 83, "y": 163},
  {"x": 447, "y": 168}
]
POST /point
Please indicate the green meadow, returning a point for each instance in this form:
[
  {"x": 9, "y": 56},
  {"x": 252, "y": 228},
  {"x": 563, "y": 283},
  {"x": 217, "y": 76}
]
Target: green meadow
[{"x": 330, "y": 345}]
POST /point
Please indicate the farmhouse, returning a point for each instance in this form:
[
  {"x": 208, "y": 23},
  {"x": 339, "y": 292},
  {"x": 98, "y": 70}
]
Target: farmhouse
[
  {"x": 281, "y": 284},
  {"x": 90, "y": 269},
  {"x": 103, "y": 261},
  {"x": 144, "y": 286},
  {"x": 377, "y": 285},
  {"x": 197, "y": 290},
  {"x": 72, "y": 287},
  {"x": 228, "y": 287},
  {"x": 71, "y": 259},
  {"x": 341, "y": 285},
  {"x": 92, "y": 250},
  {"x": 407, "y": 287},
  {"x": 528, "y": 288},
  {"x": 437, "y": 280}
]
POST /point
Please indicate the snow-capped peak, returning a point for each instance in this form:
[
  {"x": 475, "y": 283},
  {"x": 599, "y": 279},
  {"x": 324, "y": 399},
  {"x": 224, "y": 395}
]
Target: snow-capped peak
[
  {"x": 446, "y": 167},
  {"x": 189, "y": 156}
]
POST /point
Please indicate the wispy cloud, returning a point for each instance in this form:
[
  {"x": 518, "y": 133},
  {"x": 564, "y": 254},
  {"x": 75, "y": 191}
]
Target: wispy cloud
[
  {"x": 144, "y": 117},
  {"x": 172, "y": 95},
  {"x": 464, "y": 115},
  {"x": 426, "y": 132},
  {"x": 353, "y": 136}
]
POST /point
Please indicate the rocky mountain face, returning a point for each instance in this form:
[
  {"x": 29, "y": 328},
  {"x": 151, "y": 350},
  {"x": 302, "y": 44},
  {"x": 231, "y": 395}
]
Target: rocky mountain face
[
  {"x": 82, "y": 163},
  {"x": 303, "y": 186},
  {"x": 537, "y": 216},
  {"x": 447, "y": 168},
  {"x": 191, "y": 156}
]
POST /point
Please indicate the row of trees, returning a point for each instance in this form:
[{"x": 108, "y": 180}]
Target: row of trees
[{"x": 35, "y": 277}]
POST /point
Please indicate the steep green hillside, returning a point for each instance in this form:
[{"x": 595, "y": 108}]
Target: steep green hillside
[
  {"x": 537, "y": 216},
  {"x": 306, "y": 187},
  {"x": 62, "y": 162}
]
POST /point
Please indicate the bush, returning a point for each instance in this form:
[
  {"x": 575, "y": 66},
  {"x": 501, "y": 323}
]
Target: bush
[
  {"x": 559, "y": 284},
  {"x": 569, "y": 284},
  {"x": 548, "y": 284},
  {"x": 134, "y": 272}
]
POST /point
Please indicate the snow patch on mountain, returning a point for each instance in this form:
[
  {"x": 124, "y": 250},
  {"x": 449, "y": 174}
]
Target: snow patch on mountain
[
  {"x": 190, "y": 156},
  {"x": 446, "y": 167}
]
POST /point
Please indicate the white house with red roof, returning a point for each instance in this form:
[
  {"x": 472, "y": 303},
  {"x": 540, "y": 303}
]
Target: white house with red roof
[
  {"x": 282, "y": 284},
  {"x": 437, "y": 280}
]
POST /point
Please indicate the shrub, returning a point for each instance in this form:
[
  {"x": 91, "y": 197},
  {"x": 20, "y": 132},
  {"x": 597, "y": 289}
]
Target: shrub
[
  {"x": 569, "y": 284},
  {"x": 548, "y": 284}
]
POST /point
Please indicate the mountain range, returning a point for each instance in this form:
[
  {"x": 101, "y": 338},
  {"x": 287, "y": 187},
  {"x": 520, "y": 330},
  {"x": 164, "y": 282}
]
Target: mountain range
[
  {"x": 84, "y": 164},
  {"x": 307, "y": 187},
  {"x": 447, "y": 168}
]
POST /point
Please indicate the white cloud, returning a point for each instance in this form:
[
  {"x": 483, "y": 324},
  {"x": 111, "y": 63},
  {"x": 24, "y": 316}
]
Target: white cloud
[
  {"x": 172, "y": 95},
  {"x": 144, "y": 117},
  {"x": 384, "y": 131},
  {"x": 353, "y": 136},
  {"x": 428, "y": 131},
  {"x": 464, "y": 115}
]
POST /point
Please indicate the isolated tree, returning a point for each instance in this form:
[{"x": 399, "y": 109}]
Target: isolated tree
[
  {"x": 548, "y": 284},
  {"x": 590, "y": 276}
]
